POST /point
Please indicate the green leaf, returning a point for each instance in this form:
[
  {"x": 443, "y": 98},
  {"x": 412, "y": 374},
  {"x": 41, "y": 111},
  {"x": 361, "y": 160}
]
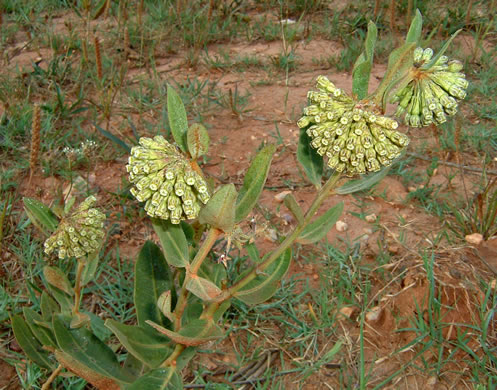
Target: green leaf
[
  {"x": 294, "y": 207},
  {"x": 48, "y": 306},
  {"x": 97, "y": 326},
  {"x": 87, "y": 349},
  {"x": 65, "y": 301},
  {"x": 42, "y": 332},
  {"x": 40, "y": 216},
  {"x": 219, "y": 212},
  {"x": 177, "y": 118},
  {"x": 119, "y": 142},
  {"x": 441, "y": 52},
  {"x": 194, "y": 333},
  {"x": 173, "y": 241},
  {"x": 203, "y": 288},
  {"x": 363, "y": 183},
  {"x": 362, "y": 68},
  {"x": 414, "y": 33},
  {"x": 253, "y": 253},
  {"x": 310, "y": 160},
  {"x": 265, "y": 285},
  {"x": 29, "y": 343},
  {"x": 159, "y": 379},
  {"x": 253, "y": 183},
  {"x": 318, "y": 228},
  {"x": 185, "y": 357},
  {"x": 134, "y": 366},
  {"x": 90, "y": 268},
  {"x": 144, "y": 343},
  {"x": 152, "y": 278},
  {"x": 78, "y": 320},
  {"x": 57, "y": 278},
  {"x": 198, "y": 140},
  {"x": 165, "y": 305}
]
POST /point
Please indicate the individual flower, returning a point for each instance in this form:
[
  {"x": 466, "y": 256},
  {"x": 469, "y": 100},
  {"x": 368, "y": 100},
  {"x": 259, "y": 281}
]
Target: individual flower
[
  {"x": 431, "y": 91},
  {"x": 354, "y": 137},
  {"x": 165, "y": 180},
  {"x": 79, "y": 233}
]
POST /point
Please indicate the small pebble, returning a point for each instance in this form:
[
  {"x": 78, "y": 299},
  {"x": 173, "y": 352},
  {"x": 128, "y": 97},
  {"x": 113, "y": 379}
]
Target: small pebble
[
  {"x": 348, "y": 311},
  {"x": 474, "y": 239},
  {"x": 371, "y": 218},
  {"x": 281, "y": 196},
  {"x": 341, "y": 226},
  {"x": 374, "y": 314}
]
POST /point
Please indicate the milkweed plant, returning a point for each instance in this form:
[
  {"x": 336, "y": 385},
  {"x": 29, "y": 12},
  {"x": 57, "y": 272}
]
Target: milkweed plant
[{"x": 181, "y": 287}]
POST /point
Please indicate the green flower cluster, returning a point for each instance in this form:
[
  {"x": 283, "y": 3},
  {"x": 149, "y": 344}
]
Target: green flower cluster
[
  {"x": 354, "y": 138},
  {"x": 432, "y": 91},
  {"x": 165, "y": 180},
  {"x": 79, "y": 233}
]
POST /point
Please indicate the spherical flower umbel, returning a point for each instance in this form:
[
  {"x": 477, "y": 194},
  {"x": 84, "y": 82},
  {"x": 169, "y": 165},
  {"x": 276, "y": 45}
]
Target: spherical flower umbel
[
  {"x": 79, "y": 233},
  {"x": 431, "y": 91},
  {"x": 351, "y": 134},
  {"x": 165, "y": 180}
]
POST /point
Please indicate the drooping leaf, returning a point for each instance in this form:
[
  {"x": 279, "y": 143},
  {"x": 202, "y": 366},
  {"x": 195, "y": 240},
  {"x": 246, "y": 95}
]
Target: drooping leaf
[
  {"x": 442, "y": 51},
  {"x": 41, "y": 216},
  {"x": 310, "y": 160},
  {"x": 318, "y": 228},
  {"x": 165, "y": 305},
  {"x": 88, "y": 350},
  {"x": 294, "y": 207},
  {"x": 253, "y": 183},
  {"x": 29, "y": 343},
  {"x": 265, "y": 285},
  {"x": 203, "y": 288},
  {"x": 362, "y": 68},
  {"x": 152, "y": 278},
  {"x": 40, "y": 328},
  {"x": 145, "y": 344},
  {"x": 363, "y": 183},
  {"x": 90, "y": 268},
  {"x": 57, "y": 278},
  {"x": 48, "y": 306},
  {"x": 159, "y": 379},
  {"x": 173, "y": 241},
  {"x": 414, "y": 33},
  {"x": 194, "y": 333},
  {"x": 177, "y": 118},
  {"x": 64, "y": 300},
  {"x": 198, "y": 140},
  {"x": 219, "y": 212}
]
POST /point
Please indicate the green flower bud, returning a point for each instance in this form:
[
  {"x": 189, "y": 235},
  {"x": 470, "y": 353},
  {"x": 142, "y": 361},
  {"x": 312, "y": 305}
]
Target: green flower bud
[
  {"x": 69, "y": 238},
  {"x": 165, "y": 180}
]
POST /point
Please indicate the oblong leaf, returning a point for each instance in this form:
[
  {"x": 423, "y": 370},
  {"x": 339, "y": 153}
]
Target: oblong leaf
[
  {"x": 90, "y": 268},
  {"x": 265, "y": 285},
  {"x": 198, "y": 140},
  {"x": 292, "y": 205},
  {"x": 57, "y": 278},
  {"x": 219, "y": 212},
  {"x": 318, "y": 228},
  {"x": 173, "y": 241},
  {"x": 194, "y": 333},
  {"x": 152, "y": 278},
  {"x": 362, "y": 68},
  {"x": 363, "y": 183},
  {"x": 42, "y": 332},
  {"x": 87, "y": 349},
  {"x": 29, "y": 343},
  {"x": 203, "y": 288},
  {"x": 414, "y": 33},
  {"x": 48, "y": 306},
  {"x": 310, "y": 160},
  {"x": 145, "y": 344},
  {"x": 178, "y": 121},
  {"x": 159, "y": 379},
  {"x": 40, "y": 215},
  {"x": 165, "y": 305},
  {"x": 64, "y": 300},
  {"x": 253, "y": 183}
]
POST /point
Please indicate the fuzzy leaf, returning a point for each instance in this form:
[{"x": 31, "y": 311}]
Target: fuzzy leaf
[
  {"x": 414, "y": 33},
  {"x": 253, "y": 183},
  {"x": 164, "y": 303},
  {"x": 40, "y": 216},
  {"x": 48, "y": 306},
  {"x": 78, "y": 320},
  {"x": 294, "y": 207},
  {"x": 144, "y": 343},
  {"x": 57, "y": 278},
  {"x": 265, "y": 285},
  {"x": 90, "y": 268},
  {"x": 198, "y": 140},
  {"x": 159, "y": 379},
  {"x": 39, "y": 327},
  {"x": 219, "y": 212},
  {"x": 177, "y": 118},
  {"x": 173, "y": 241},
  {"x": 318, "y": 228},
  {"x": 363, "y": 183},
  {"x": 194, "y": 333},
  {"x": 152, "y": 278},
  {"x": 29, "y": 343},
  {"x": 88, "y": 350},
  {"x": 310, "y": 160},
  {"x": 64, "y": 300},
  {"x": 203, "y": 288},
  {"x": 362, "y": 68},
  {"x": 441, "y": 51}
]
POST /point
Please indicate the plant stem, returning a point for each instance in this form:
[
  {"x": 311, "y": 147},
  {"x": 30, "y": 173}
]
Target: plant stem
[
  {"x": 202, "y": 253},
  {"x": 171, "y": 360},
  {"x": 51, "y": 378},
  {"x": 77, "y": 286}
]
